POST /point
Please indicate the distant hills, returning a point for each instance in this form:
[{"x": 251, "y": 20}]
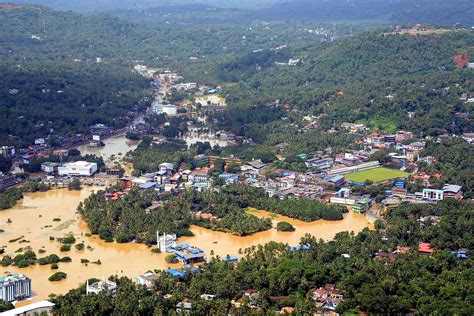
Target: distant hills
[{"x": 440, "y": 12}]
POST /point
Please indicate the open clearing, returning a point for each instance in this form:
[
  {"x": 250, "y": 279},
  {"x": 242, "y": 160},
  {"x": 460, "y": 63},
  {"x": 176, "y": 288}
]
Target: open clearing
[{"x": 376, "y": 175}]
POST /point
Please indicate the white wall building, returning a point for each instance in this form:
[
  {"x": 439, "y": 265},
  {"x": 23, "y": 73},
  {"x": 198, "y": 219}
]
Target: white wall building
[
  {"x": 104, "y": 285},
  {"x": 168, "y": 109},
  {"x": 166, "y": 241},
  {"x": 78, "y": 169}
]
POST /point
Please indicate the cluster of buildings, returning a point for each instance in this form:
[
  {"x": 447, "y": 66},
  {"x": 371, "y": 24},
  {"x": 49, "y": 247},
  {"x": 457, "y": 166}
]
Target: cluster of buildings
[{"x": 328, "y": 297}]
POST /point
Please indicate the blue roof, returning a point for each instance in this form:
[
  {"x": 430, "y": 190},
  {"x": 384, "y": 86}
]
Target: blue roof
[
  {"x": 176, "y": 273},
  {"x": 336, "y": 178},
  {"x": 147, "y": 185},
  {"x": 194, "y": 251},
  {"x": 299, "y": 247},
  {"x": 230, "y": 259},
  {"x": 251, "y": 180}
]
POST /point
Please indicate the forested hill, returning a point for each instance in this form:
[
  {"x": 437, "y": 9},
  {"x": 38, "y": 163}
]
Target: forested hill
[
  {"x": 50, "y": 82},
  {"x": 373, "y": 78}
]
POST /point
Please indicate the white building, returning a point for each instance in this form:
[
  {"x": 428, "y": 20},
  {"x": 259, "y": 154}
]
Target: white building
[
  {"x": 147, "y": 279},
  {"x": 78, "y": 168},
  {"x": 433, "y": 194},
  {"x": 166, "y": 241},
  {"x": 168, "y": 109},
  {"x": 104, "y": 285},
  {"x": 38, "y": 308}
]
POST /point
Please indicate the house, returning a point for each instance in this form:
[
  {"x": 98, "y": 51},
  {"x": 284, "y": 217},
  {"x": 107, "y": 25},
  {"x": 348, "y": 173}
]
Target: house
[
  {"x": 199, "y": 178},
  {"x": 147, "y": 279},
  {"x": 229, "y": 178},
  {"x": 147, "y": 185},
  {"x": 385, "y": 256},
  {"x": 452, "y": 191},
  {"x": 232, "y": 259},
  {"x": 50, "y": 167},
  {"x": 39, "y": 308},
  {"x": 190, "y": 255},
  {"x": 403, "y": 135},
  {"x": 322, "y": 163},
  {"x": 320, "y": 295},
  {"x": 184, "y": 307},
  {"x": 254, "y": 167},
  {"x": 425, "y": 248},
  {"x": 207, "y": 297},
  {"x": 433, "y": 195},
  {"x": 337, "y": 180},
  {"x": 352, "y": 127},
  {"x": 176, "y": 273},
  {"x": 14, "y": 287},
  {"x": 417, "y": 146},
  {"x": 166, "y": 167},
  {"x": 97, "y": 287},
  {"x": 412, "y": 156},
  {"x": 461, "y": 254}
]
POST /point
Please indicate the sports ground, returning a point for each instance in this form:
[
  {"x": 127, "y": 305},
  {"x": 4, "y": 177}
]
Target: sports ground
[{"x": 376, "y": 175}]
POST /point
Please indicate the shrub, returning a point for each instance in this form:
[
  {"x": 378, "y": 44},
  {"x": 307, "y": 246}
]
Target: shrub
[
  {"x": 54, "y": 266},
  {"x": 58, "y": 276},
  {"x": 79, "y": 246},
  {"x": 285, "y": 227},
  {"x": 68, "y": 240},
  {"x": 65, "y": 259},
  {"x": 65, "y": 248}
]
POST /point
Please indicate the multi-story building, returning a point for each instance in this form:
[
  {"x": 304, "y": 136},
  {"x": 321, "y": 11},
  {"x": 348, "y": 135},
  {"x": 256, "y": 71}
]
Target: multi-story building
[
  {"x": 78, "y": 168},
  {"x": 14, "y": 287}
]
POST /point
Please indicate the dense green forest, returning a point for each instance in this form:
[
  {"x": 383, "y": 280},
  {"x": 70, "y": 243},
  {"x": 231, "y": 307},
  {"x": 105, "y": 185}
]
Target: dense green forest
[
  {"x": 64, "y": 98},
  {"x": 371, "y": 78},
  {"x": 353, "y": 79},
  {"x": 436, "y": 284}
]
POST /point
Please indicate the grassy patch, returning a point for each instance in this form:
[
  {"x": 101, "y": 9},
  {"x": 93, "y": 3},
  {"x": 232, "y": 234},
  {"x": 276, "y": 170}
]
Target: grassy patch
[{"x": 376, "y": 175}]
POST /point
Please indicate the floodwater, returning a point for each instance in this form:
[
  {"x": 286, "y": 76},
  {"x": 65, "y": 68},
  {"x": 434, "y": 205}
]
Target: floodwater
[
  {"x": 194, "y": 136},
  {"x": 37, "y": 210},
  {"x": 117, "y": 145},
  {"x": 32, "y": 217},
  {"x": 224, "y": 244}
]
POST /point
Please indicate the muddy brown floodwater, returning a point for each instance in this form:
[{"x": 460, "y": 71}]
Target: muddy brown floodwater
[
  {"x": 33, "y": 218},
  {"x": 114, "y": 145}
]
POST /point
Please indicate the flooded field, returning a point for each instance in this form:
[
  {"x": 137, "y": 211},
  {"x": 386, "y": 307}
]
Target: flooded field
[
  {"x": 33, "y": 218},
  {"x": 116, "y": 145}
]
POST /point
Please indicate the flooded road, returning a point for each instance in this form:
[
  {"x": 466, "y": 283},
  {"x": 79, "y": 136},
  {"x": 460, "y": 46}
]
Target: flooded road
[{"x": 33, "y": 217}]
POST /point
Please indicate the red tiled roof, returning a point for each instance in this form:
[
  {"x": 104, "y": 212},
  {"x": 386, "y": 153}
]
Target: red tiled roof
[{"x": 425, "y": 247}]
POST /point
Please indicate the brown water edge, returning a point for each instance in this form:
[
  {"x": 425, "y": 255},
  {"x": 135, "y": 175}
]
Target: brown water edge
[
  {"x": 120, "y": 259},
  {"x": 114, "y": 145},
  {"x": 123, "y": 259},
  {"x": 224, "y": 244}
]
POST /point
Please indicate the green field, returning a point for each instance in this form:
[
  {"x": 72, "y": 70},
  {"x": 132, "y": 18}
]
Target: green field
[{"x": 376, "y": 175}]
